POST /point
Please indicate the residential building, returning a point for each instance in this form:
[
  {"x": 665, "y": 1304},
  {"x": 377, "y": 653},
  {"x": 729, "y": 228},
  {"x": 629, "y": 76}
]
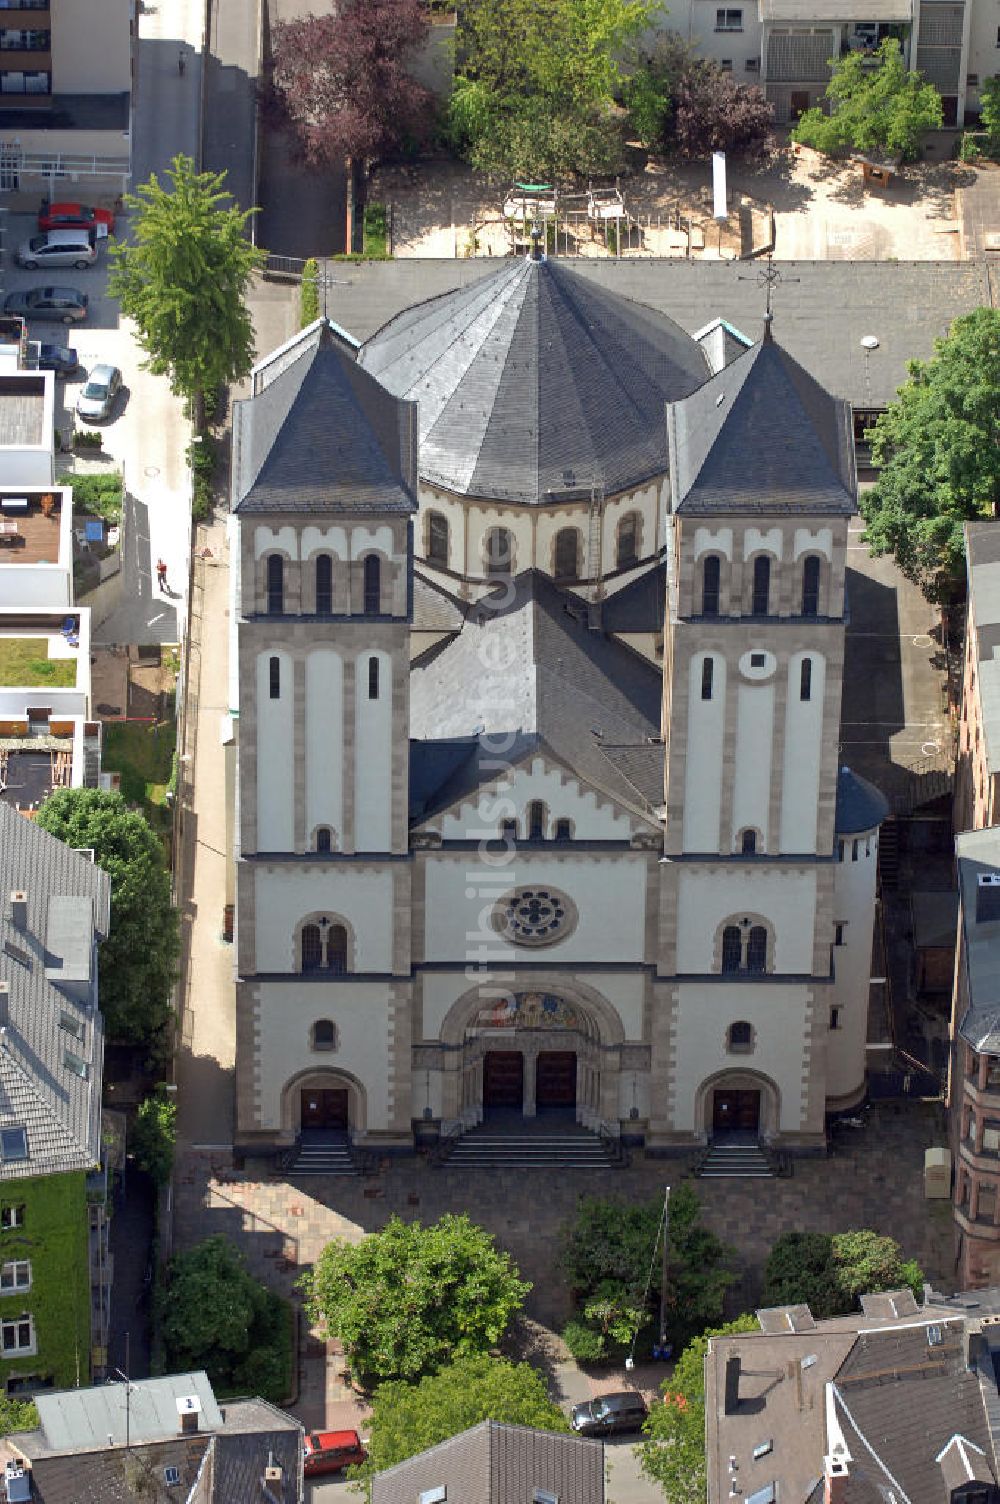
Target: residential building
[
  {"x": 27, "y": 409},
  {"x": 498, "y": 1464},
  {"x": 977, "y": 768},
  {"x": 54, "y": 1265},
  {"x": 160, "y": 1438},
  {"x": 894, "y": 1401},
  {"x": 36, "y": 546},
  {"x": 539, "y": 806},
  {"x": 66, "y": 82}
]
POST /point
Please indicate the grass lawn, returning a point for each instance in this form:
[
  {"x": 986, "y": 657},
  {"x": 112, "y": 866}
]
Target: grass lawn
[
  {"x": 25, "y": 660},
  {"x": 143, "y": 755}
]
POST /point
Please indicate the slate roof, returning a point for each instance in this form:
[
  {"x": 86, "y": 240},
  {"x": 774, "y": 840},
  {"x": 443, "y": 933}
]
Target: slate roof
[
  {"x": 978, "y": 854},
  {"x": 562, "y": 687},
  {"x": 639, "y": 606},
  {"x": 762, "y": 436},
  {"x": 434, "y": 610},
  {"x": 982, "y": 561},
  {"x": 497, "y": 1464},
  {"x": 860, "y": 805},
  {"x": 319, "y": 435},
  {"x": 120, "y": 1477},
  {"x": 534, "y": 384},
  {"x": 66, "y": 893}
]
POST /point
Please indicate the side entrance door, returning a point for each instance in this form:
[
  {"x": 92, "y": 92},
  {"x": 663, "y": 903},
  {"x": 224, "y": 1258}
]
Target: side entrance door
[
  {"x": 555, "y": 1079},
  {"x": 325, "y": 1109},
  {"x": 736, "y": 1112},
  {"x": 503, "y": 1079},
  {"x": 799, "y": 103}
]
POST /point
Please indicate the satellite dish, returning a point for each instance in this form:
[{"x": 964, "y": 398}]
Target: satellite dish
[{"x": 869, "y": 342}]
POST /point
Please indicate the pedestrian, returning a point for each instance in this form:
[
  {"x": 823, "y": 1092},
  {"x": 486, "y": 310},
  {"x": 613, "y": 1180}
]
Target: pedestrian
[{"x": 161, "y": 575}]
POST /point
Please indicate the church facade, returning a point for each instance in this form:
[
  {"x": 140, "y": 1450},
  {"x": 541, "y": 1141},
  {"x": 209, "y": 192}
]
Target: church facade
[{"x": 539, "y": 629}]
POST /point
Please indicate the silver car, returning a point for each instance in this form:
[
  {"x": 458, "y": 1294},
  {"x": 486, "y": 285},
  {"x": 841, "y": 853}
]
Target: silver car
[
  {"x": 58, "y": 248},
  {"x": 97, "y": 396}
]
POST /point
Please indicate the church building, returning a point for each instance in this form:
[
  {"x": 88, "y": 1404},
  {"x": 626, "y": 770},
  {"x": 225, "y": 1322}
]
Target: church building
[{"x": 539, "y": 629}]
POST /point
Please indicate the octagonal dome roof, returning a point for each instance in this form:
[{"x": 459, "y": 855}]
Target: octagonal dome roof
[{"x": 534, "y": 384}]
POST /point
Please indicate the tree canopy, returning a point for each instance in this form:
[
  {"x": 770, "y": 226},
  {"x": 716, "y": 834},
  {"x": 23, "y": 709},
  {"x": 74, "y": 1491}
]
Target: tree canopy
[
  {"x": 690, "y": 105},
  {"x": 182, "y": 278},
  {"x": 154, "y": 1135},
  {"x": 214, "y": 1315},
  {"x": 411, "y": 1298},
  {"x": 938, "y": 452},
  {"x": 674, "y": 1454},
  {"x": 829, "y": 1272},
  {"x": 406, "y": 1418},
  {"x": 340, "y": 82},
  {"x": 138, "y": 961},
  {"x": 881, "y": 109},
  {"x": 536, "y": 84},
  {"x": 989, "y": 110}
]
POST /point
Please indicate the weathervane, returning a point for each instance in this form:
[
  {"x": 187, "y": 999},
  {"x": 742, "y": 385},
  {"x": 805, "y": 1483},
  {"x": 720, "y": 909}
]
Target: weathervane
[{"x": 768, "y": 276}]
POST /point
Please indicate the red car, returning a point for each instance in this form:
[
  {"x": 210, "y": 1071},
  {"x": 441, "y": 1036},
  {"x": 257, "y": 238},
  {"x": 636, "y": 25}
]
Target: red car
[
  {"x": 331, "y": 1451},
  {"x": 75, "y": 217}
]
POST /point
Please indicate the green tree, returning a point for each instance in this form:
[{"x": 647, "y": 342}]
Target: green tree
[
  {"x": 874, "y": 109},
  {"x": 139, "y": 958},
  {"x": 214, "y": 1315},
  {"x": 411, "y": 1298},
  {"x": 536, "y": 84},
  {"x": 155, "y": 1135},
  {"x": 674, "y": 1454},
  {"x": 938, "y": 449},
  {"x": 406, "y": 1418},
  {"x": 989, "y": 110},
  {"x": 17, "y": 1415},
  {"x": 680, "y": 102},
  {"x": 182, "y": 278},
  {"x": 829, "y": 1272}
]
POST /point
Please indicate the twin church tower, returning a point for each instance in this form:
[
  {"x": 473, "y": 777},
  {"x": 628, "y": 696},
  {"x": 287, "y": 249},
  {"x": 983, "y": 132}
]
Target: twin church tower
[{"x": 539, "y": 625}]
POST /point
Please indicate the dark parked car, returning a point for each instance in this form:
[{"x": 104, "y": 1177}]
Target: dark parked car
[
  {"x": 59, "y": 358},
  {"x": 610, "y": 1414},
  {"x": 63, "y": 303}
]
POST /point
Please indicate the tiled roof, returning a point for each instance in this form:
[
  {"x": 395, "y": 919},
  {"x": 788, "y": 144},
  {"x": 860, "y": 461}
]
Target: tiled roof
[
  {"x": 563, "y": 686},
  {"x": 860, "y": 805},
  {"x": 319, "y": 435},
  {"x": 39, "y": 1091},
  {"x": 535, "y": 384},
  {"x": 497, "y": 1464},
  {"x": 762, "y": 436}
]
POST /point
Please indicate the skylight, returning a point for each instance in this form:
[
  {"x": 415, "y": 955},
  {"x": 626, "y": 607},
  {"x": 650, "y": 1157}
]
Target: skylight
[
  {"x": 13, "y": 1143},
  {"x": 75, "y": 1064}
]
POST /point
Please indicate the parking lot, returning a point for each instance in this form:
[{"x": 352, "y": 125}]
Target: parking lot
[{"x": 146, "y": 436}]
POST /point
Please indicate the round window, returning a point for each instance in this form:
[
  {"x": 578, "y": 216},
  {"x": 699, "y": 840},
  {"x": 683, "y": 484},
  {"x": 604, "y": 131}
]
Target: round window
[{"x": 534, "y": 916}]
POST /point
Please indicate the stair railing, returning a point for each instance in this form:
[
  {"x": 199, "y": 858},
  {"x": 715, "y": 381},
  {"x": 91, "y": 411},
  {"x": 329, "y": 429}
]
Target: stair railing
[
  {"x": 610, "y": 1135},
  {"x": 445, "y": 1146}
]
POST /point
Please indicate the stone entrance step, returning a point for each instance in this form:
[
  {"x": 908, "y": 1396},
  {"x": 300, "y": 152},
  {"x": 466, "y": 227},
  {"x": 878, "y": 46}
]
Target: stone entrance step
[
  {"x": 735, "y": 1161},
  {"x": 323, "y": 1159},
  {"x": 481, "y": 1149}
]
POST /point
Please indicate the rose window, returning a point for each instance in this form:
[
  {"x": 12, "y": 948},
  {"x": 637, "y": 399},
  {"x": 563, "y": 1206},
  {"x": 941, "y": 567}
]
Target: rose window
[{"x": 534, "y": 916}]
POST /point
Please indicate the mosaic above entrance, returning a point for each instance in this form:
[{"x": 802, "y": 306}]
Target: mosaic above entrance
[{"x": 528, "y": 1010}]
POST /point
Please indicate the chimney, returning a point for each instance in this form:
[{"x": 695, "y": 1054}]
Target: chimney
[
  {"x": 834, "y": 1480},
  {"x": 19, "y": 910},
  {"x": 188, "y": 1411},
  {"x": 988, "y": 897}
]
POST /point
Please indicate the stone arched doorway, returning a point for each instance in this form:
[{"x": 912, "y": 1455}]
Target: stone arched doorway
[
  {"x": 327, "y": 1103},
  {"x": 738, "y": 1104}
]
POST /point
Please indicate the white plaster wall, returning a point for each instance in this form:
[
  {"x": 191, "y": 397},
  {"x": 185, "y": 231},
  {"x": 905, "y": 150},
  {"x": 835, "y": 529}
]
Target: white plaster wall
[
  {"x": 325, "y": 743},
  {"x": 694, "y": 20},
  {"x": 481, "y": 519},
  {"x": 625, "y": 992},
  {"x": 813, "y": 541},
  {"x": 762, "y": 540},
  {"x": 609, "y": 893},
  {"x": 285, "y": 895},
  {"x": 984, "y": 53},
  {"x": 704, "y": 1013},
  {"x": 275, "y": 757},
  {"x": 854, "y": 907},
  {"x": 709, "y": 540},
  {"x": 703, "y": 764},
  {"x": 754, "y": 743},
  {"x": 91, "y": 48},
  {"x": 282, "y": 538},
  {"x": 361, "y": 1014},
  {"x": 706, "y": 899},
  {"x": 647, "y": 644},
  {"x": 35, "y": 585},
  {"x": 593, "y": 819},
  {"x": 323, "y": 540},
  {"x": 803, "y": 754},
  {"x": 373, "y": 756}
]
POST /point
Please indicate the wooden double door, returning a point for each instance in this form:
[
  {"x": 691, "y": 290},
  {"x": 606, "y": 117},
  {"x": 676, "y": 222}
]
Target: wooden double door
[
  {"x": 327, "y": 1109},
  {"x": 503, "y": 1080},
  {"x": 736, "y": 1112}
]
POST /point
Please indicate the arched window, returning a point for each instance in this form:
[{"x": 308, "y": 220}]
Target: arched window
[
  {"x": 707, "y": 675},
  {"x": 806, "y": 679},
  {"x": 274, "y": 678},
  {"x": 536, "y": 820},
  {"x": 740, "y": 1039},
  {"x": 711, "y": 572},
  {"x": 324, "y": 585},
  {"x": 761, "y": 585},
  {"x": 275, "y": 585},
  {"x": 810, "y": 585},
  {"x": 336, "y": 950},
  {"x": 437, "y": 538},
  {"x": 312, "y": 948},
  {"x": 324, "y": 838},
  {"x": 499, "y": 551},
  {"x": 563, "y": 830},
  {"x": 757, "y": 950},
  {"x": 324, "y": 1034},
  {"x": 567, "y": 554},
  {"x": 748, "y": 842},
  {"x": 373, "y": 585},
  {"x": 732, "y": 948},
  {"x": 628, "y": 540},
  {"x": 373, "y": 678}
]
